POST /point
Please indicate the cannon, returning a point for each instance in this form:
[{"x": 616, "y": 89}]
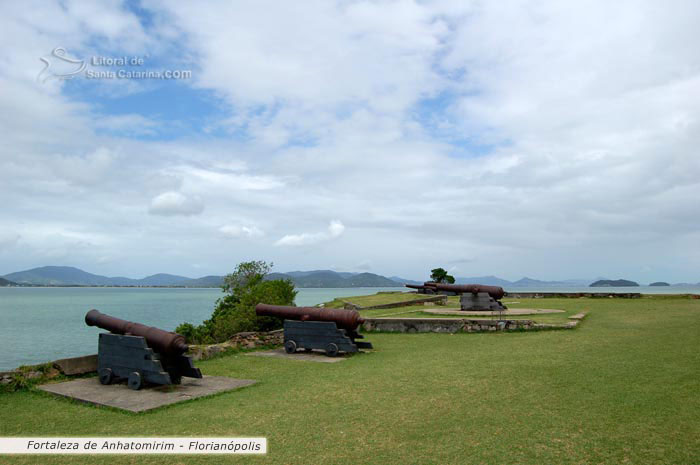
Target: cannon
[
  {"x": 139, "y": 353},
  {"x": 422, "y": 288},
  {"x": 473, "y": 297},
  {"x": 333, "y": 330},
  {"x": 496, "y": 292}
]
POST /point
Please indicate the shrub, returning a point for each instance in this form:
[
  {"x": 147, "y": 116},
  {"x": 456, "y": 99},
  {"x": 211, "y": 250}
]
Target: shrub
[
  {"x": 439, "y": 275},
  {"x": 235, "y": 312}
]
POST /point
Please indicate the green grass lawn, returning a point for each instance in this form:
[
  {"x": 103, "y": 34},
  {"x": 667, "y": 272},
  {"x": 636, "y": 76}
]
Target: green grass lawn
[
  {"x": 379, "y": 298},
  {"x": 624, "y": 387}
]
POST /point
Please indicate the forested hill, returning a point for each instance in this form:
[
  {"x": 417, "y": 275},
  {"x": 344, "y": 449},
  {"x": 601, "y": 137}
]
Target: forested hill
[
  {"x": 614, "y": 283},
  {"x": 71, "y": 276}
]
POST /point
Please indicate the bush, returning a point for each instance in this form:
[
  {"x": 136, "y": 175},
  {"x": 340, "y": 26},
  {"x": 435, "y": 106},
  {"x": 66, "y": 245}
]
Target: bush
[
  {"x": 245, "y": 287},
  {"x": 439, "y": 275}
]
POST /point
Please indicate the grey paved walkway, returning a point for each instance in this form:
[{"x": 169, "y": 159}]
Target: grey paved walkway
[{"x": 120, "y": 396}]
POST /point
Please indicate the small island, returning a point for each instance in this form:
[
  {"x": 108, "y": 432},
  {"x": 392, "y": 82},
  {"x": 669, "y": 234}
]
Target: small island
[
  {"x": 659, "y": 283},
  {"x": 614, "y": 283}
]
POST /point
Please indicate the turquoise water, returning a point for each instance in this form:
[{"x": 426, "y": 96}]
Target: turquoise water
[{"x": 41, "y": 324}]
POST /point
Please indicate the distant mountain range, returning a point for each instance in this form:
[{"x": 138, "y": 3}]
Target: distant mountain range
[
  {"x": 327, "y": 278},
  {"x": 70, "y": 276},
  {"x": 523, "y": 282}
]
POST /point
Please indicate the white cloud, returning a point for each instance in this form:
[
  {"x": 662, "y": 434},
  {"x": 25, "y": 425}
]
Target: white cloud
[
  {"x": 316, "y": 63},
  {"x": 175, "y": 203},
  {"x": 335, "y": 229},
  {"x": 229, "y": 180},
  {"x": 237, "y": 231}
]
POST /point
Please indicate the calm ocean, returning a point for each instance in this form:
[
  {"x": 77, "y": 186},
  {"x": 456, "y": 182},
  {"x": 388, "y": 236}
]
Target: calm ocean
[{"x": 41, "y": 324}]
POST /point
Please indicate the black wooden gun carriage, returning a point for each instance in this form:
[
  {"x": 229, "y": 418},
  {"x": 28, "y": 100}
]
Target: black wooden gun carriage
[
  {"x": 329, "y": 329},
  {"x": 139, "y": 353}
]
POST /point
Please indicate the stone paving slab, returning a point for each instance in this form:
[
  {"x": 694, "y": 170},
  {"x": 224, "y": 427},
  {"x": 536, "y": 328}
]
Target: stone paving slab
[
  {"x": 120, "y": 396},
  {"x": 508, "y": 312},
  {"x": 303, "y": 356}
]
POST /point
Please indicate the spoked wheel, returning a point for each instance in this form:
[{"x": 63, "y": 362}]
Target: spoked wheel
[
  {"x": 106, "y": 376},
  {"x": 135, "y": 381},
  {"x": 332, "y": 350},
  {"x": 290, "y": 347}
]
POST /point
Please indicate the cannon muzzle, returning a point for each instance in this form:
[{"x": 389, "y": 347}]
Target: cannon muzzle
[
  {"x": 162, "y": 341},
  {"x": 346, "y": 319},
  {"x": 415, "y": 286}
]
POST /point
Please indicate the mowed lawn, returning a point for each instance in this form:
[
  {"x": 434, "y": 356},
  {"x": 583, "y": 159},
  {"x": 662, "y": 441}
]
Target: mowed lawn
[
  {"x": 624, "y": 387},
  {"x": 379, "y": 298}
]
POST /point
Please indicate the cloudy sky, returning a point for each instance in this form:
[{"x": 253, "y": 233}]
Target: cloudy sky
[{"x": 548, "y": 139}]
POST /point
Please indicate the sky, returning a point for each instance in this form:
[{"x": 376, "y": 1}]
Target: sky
[{"x": 546, "y": 139}]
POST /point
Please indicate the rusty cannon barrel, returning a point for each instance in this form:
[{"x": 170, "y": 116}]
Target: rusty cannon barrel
[
  {"x": 345, "y": 319},
  {"x": 496, "y": 292},
  {"x": 162, "y": 341}
]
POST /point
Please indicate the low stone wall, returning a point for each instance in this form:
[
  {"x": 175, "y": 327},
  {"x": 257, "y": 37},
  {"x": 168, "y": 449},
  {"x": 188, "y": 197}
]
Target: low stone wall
[
  {"x": 442, "y": 325},
  {"x": 247, "y": 340},
  {"x": 573, "y": 295},
  {"x": 32, "y": 374},
  {"x": 438, "y": 300},
  {"x": 6, "y": 377},
  {"x": 26, "y": 376},
  {"x": 77, "y": 365},
  {"x": 460, "y": 325}
]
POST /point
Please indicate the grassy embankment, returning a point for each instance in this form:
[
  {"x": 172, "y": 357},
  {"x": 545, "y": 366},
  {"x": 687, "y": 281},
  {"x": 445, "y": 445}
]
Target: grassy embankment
[{"x": 621, "y": 388}]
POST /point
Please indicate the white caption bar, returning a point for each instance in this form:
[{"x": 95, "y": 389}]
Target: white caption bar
[{"x": 133, "y": 445}]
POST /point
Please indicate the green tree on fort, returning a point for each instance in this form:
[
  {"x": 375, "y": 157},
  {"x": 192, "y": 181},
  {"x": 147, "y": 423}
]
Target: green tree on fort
[
  {"x": 235, "y": 312},
  {"x": 439, "y": 275}
]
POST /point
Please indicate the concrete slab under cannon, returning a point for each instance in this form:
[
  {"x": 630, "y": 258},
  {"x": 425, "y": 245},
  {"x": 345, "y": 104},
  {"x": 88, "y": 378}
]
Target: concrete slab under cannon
[{"x": 119, "y": 396}]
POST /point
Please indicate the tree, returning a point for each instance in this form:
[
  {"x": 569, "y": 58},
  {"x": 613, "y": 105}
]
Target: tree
[
  {"x": 439, "y": 275},
  {"x": 246, "y": 275},
  {"x": 235, "y": 312}
]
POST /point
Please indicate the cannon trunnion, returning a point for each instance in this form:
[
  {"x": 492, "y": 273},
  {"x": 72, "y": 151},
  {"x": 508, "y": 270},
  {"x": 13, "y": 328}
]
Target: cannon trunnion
[
  {"x": 329, "y": 329},
  {"x": 138, "y": 353}
]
